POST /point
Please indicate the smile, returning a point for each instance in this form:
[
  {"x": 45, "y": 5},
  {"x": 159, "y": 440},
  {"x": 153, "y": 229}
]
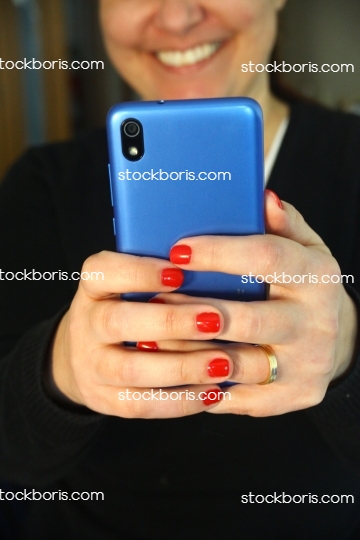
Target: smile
[{"x": 188, "y": 57}]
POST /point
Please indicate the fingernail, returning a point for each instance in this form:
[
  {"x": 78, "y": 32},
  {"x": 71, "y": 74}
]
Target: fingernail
[
  {"x": 208, "y": 322},
  {"x": 220, "y": 367},
  {"x": 156, "y": 300},
  {"x": 180, "y": 254},
  {"x": 172, "y": 277},
  {"x": 275, "y": 197},
  {"x": 212, "y": 396},
  {"x": 150, "y": 346}
]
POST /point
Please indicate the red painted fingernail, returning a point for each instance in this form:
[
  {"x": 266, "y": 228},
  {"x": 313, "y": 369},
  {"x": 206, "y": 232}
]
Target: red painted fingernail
[
  {"x": 275, "y": 197},
  {"x": 220, "y": 367},
  {"x": 172, "y": 277},
  {"x": 212, "y": 396},
  {"x": 150, "y": 346},
  {"x": 180, "y": 254},
  {"x": 208, "y": 322},
  {"x": 156, "y": 300}
]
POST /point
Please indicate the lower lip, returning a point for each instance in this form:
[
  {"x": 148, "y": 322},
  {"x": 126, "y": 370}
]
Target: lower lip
[{"x": 183, "y": 70}]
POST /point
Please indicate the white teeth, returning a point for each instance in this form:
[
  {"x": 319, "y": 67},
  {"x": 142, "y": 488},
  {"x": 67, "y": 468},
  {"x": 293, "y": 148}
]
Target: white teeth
[{"x": 189, "y": 57}]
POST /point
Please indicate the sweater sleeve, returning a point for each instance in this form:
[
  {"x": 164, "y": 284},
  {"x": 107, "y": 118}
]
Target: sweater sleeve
[
  {"x": 318, "y": 171},
  {"x": 39, "y": 439},
  {"x": 338, "y": 416}
]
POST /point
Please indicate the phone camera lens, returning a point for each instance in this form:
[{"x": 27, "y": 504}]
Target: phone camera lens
[
  {"x": 131, "y": 129},
  {"x": 132, "y": 139}
]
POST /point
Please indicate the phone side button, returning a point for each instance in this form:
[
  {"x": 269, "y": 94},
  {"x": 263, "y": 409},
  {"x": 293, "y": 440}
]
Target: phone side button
[
  {"x": 114, "y": 226},
  {"x": 109, "y": 169}
]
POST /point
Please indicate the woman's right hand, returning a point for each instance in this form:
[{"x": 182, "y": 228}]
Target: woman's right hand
[{"x": 92, "y": 367}]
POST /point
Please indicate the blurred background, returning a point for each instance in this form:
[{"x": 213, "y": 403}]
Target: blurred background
[{"x": 37, "y": 106}]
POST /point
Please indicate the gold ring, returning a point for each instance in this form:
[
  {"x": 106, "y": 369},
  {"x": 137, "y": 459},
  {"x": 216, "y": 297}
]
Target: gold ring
[{"x": 272, "y": 363}]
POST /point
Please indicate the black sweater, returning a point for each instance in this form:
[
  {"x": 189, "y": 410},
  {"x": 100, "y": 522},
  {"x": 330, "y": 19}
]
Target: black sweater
[{"x": 182, "y": 478}]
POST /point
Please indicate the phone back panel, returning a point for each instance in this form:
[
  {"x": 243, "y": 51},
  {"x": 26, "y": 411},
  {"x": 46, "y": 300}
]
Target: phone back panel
[{"x": 201, "y": 174}]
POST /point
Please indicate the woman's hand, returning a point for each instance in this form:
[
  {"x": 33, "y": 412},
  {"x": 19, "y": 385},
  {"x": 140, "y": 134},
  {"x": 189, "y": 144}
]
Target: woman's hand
[
  {"x": 91, "y": 367},
  {"x": 310, "y": 326}
]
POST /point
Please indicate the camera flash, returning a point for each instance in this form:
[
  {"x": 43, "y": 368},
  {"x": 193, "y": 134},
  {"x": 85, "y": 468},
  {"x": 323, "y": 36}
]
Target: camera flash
[{"x": 133, "y": 151}]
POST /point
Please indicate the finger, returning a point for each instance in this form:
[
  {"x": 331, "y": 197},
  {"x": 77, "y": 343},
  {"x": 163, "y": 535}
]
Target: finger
[
  {"x": 130, "y": 367},
  {"x": 179, "y": 345},
  {"x": 282, "y": 219},
  {"x": 157, "y": 403},
  {"x": 271, "y": 321},
  {"x": 114, "y": 321},
  {"x": 256, "y": 258},
  {"x": 283, "y": 251},
  {"x": 254, "y": 400},
  {"x": 250, "y": 363},
  {"x": 269, "y": 400},
  {"x": 108, "y": 273}
]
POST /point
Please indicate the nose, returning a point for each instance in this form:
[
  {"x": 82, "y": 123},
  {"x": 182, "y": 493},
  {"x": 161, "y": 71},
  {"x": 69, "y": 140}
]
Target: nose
[{"x": 179, "y": 16}]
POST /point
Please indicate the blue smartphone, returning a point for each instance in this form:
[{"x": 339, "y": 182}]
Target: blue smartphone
[{"x": 187, "y": 168}]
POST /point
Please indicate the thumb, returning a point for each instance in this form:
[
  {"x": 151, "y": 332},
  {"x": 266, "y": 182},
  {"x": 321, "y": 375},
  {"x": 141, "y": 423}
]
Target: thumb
[{"x": 282, "y": 219}]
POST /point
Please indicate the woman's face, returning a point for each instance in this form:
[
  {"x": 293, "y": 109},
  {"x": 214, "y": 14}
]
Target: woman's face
[{"x": 172, "y": 49}]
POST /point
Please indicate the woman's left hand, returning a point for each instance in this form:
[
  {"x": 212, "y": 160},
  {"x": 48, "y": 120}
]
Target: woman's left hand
[{"x": 311, "y": 327}]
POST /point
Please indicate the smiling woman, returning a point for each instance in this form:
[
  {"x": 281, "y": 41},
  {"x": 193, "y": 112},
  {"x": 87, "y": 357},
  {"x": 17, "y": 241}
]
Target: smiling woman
[
  {"x": 184, "y": 49},
  {"x": 290, "y": 424}
]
